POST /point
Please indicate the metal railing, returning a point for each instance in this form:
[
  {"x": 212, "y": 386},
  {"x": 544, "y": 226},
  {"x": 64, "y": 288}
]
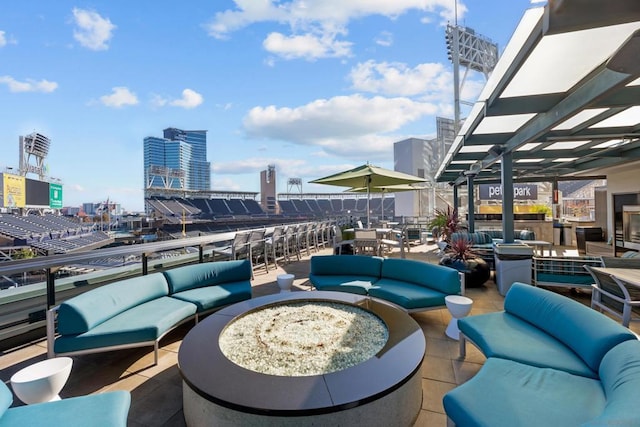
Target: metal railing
[{"x": 23, "y": 308}]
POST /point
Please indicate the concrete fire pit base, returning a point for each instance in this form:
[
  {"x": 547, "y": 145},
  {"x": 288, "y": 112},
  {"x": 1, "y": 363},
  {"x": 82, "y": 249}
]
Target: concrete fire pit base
[{"x": 381, "y": 391}]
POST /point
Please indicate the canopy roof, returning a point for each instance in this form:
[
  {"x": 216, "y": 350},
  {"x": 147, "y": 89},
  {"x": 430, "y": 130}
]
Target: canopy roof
[{"x": 564, "y": 98}]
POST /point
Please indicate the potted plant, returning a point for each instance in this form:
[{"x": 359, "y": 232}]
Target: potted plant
[
  {"x": 445, "y": 223},
  {"x": 460, "y": 255}
]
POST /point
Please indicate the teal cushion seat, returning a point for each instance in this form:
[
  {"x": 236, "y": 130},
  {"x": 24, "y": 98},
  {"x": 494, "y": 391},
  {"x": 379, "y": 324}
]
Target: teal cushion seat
[
  {"x": 207, "y": 274},
  {"x": 83, "y": 312},
  {"x": 437, "y": 277},
  {"x": 509, "y": 337},
  {"x": 407, "y": 295},
  {"x": 352, "y": 284},
  {"x": 620, "y": 376},
  {"x": 562, "y": 317},
  {"x": 210, "y": 297},
  {"x": 505, "y": 393},
  {"x": 6, "y": 397},
  {"x": 346, "y": 265},
  {"x": 143, "y": 323},
  {"x": 108, "y": 409}
]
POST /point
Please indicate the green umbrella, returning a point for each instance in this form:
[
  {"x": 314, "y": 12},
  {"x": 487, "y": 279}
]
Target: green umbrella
[
  {"x": 368, "y": 176},
  {"x": 384, "y": 190}
]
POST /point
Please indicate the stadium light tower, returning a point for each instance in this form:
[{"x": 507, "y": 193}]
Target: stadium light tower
[
  {"x": 294, "y": 182},
  {"x": 34, "y": 146},
  {"x": 470, "y": 50}
]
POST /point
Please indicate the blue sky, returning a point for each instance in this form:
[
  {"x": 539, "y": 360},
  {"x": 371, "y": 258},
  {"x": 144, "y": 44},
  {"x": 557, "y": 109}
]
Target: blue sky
[{"x": 313, "y": 87}]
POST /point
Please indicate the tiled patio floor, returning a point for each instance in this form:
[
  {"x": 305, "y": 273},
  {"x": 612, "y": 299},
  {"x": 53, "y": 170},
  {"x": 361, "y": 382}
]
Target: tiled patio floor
[{"x": 156, "y": 391}]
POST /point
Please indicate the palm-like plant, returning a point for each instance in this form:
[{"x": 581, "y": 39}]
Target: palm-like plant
[
  {"x": 461, "y": 250},
  {"x": 445, "y": 223}
]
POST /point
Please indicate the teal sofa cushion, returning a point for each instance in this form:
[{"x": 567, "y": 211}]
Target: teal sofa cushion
[
  {"x": 210, "y": 297},
  {"x": 620, "y": 376},
  {"x": 352, "y": 284},
  {"x": 346, "y": 265},
  {"x": 437, "y": 277},
  {"x": 509, "y": 337},
  {"x": 207, "y": 274},
  {"x": 6, "y": 398},
  {"x": 405, "y": 294},
  {"x": 588, "y": 333},
  {"x": 143, "y": 323},
  {"x": 109, "y": 409},
  {"x": 83, "y": 312},
  {"x": 505, "y": 393}
]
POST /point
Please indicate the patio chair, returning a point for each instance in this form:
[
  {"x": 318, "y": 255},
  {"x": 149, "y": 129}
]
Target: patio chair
[
  {"x": 258, "y": 249},
  {"x": 276, "y": 246},
  {"x": 238, "y": 249},
  {"x": 615, "y": 297},
  {"x": 291, "y": 242},
  {"x": 302, "y": 238},
  {"x": 312, "y": 237},
  {"x": 339, "y": 244},
  {"x": 395, "y": 239},
  {"x": 366, "y": 242}
]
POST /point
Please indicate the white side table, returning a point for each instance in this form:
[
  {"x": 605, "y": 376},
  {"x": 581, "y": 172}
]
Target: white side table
[
  {"x": 285, "y": 281},
  {"x": 42, "y": 381},
  {"x": 459, "y": 307}
]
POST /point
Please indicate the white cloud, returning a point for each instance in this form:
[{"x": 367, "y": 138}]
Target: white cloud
[
  {"x": 399, "y": 79},
  {"x": 307, "y": 46},
  {"x": 343, "y": 124},
  {"x": 298, "y": 13},
  {"x": 226, "y": 184},
  {"x": 120, "y": 97},
  {"x": 93, "y": 31},
  {"x": 3, "y": 39},
  {"x": 431, "y": 82},
  {"x": 190, "y": 99},
  {"x": 28, "y": 85},
  {"x": 315, "y": 24},
  {"x": 385, "y": 39}
]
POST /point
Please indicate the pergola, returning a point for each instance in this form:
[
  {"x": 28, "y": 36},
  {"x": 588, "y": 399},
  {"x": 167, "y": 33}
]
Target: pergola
[{"x": 563, "y": 101}]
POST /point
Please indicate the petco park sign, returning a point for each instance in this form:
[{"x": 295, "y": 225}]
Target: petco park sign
[{"x": 520, "y": 192}]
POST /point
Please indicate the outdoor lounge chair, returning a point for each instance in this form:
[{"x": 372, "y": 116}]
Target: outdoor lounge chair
[{"x": 613, "y": 296}]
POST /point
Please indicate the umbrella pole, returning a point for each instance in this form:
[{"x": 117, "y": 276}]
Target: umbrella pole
[{"x": 368, "y": 202}]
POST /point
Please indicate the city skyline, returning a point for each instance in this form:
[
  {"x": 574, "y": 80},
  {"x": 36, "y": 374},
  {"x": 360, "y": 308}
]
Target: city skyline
[{"x": 310, "y": 88}]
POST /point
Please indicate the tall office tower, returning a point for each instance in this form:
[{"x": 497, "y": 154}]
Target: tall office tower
[
  {"x": 422, "y": 157},
  {"x": 414, "y": 156},
  {"x": 268, "y": 190},
  {"x": 179, "y": 160}
]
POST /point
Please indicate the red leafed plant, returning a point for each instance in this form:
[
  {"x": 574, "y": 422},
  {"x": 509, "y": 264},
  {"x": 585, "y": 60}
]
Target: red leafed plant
[
  {"x": 446, "y": 222},
  {"x": 461, "y": 250}
]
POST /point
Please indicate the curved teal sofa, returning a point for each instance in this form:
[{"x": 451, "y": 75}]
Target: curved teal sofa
[
  {"x": 550, "y": 361},
  {"x": 139, "y": 311},
  {"x": 109, "y": 409},
  {"x": 412, "y": 285}
]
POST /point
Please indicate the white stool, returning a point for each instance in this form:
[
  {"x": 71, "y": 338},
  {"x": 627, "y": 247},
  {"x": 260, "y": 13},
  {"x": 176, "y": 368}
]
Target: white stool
[
  {"x": 285, "y": 281},
  {"x": 459, "y": 307},
  {"x": 42, "y": 381}
]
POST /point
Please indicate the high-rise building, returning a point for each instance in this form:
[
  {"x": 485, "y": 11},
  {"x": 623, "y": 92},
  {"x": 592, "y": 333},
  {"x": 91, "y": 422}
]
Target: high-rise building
[
  {"x": 177, "y": 161},
  {"x": 422, "y": 158}
]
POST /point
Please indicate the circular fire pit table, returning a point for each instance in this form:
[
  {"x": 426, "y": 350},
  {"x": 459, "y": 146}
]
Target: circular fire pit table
[{"x": 383, "y": 390}]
